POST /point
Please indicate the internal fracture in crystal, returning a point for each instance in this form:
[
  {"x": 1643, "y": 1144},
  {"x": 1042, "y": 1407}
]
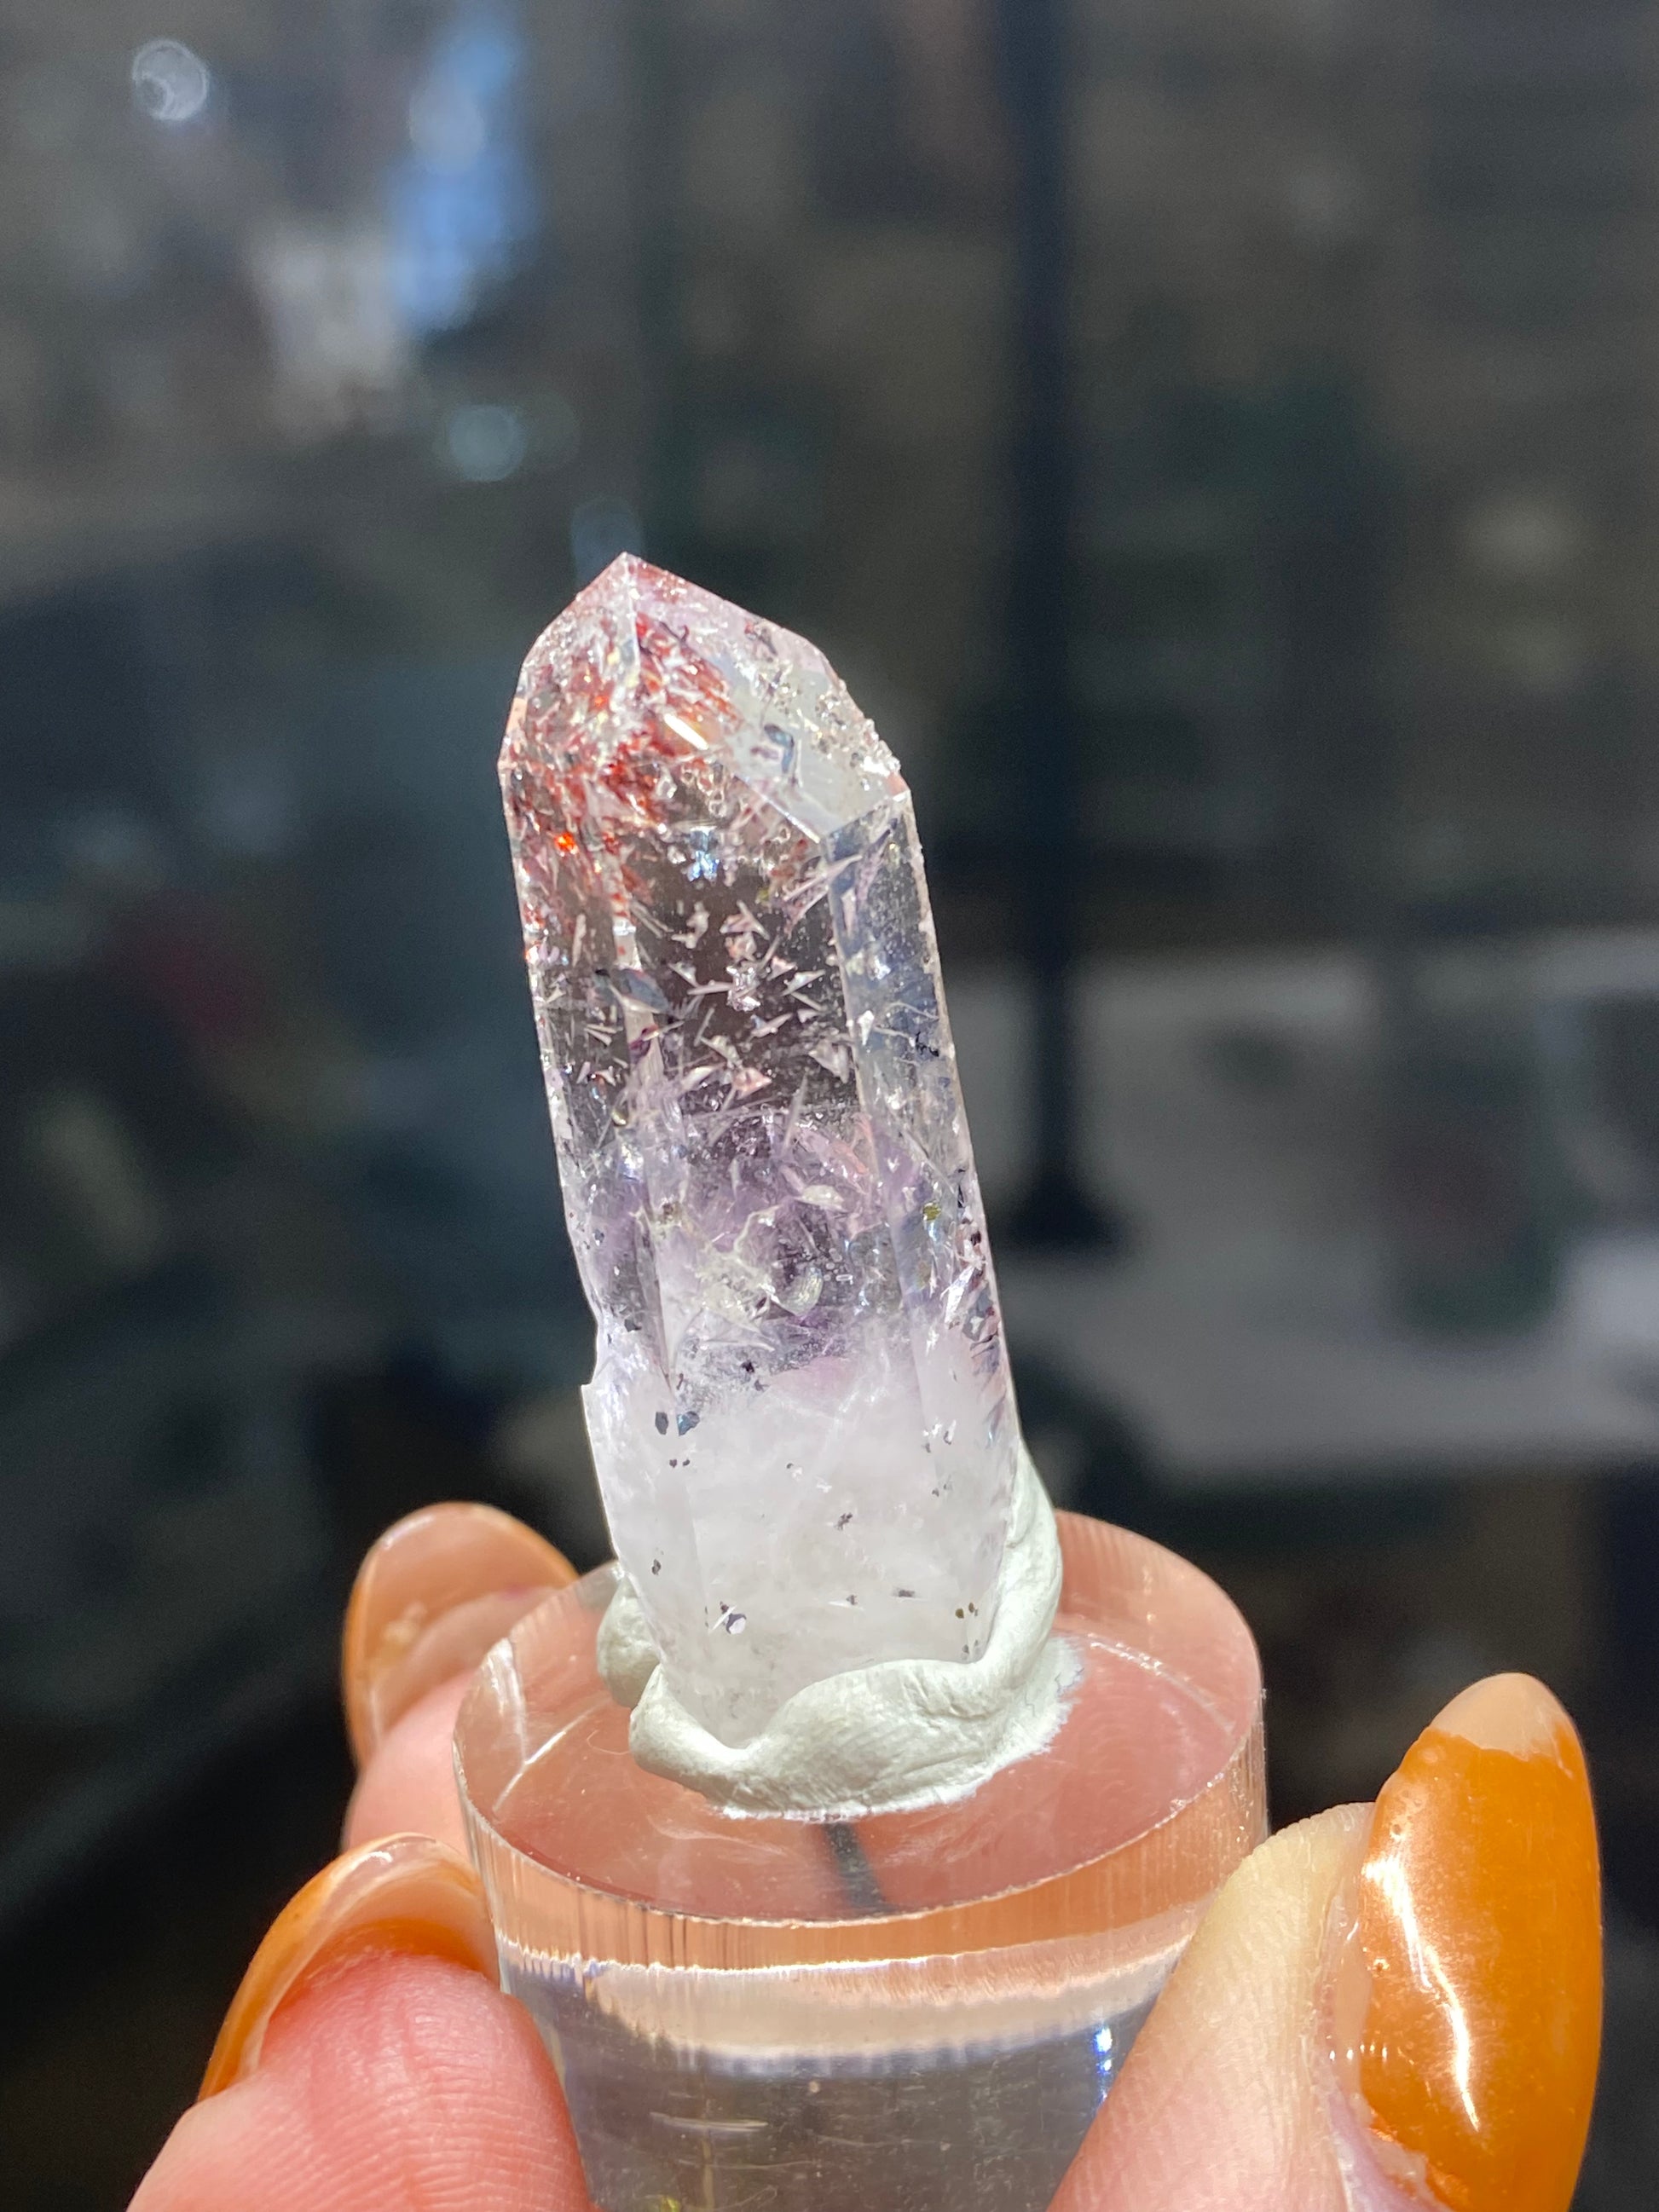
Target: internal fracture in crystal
[{"x": 800, "y": 1411}]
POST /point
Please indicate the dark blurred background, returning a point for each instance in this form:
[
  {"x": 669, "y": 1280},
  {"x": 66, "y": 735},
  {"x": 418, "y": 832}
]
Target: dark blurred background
[{"x": 1218, "y": 441}]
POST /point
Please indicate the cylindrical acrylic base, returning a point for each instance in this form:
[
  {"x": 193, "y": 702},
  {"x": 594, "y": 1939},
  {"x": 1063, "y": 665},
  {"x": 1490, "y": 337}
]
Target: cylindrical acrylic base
[{"x": 912, "y": 2013}]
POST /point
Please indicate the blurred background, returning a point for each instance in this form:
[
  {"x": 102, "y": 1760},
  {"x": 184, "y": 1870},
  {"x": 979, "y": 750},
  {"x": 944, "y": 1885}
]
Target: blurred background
[{"x": 1218, "y": 442}]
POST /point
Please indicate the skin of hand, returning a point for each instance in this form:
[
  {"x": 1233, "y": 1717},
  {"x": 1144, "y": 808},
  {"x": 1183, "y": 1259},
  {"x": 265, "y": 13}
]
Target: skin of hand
[{"x": 1385, "y": 2007}]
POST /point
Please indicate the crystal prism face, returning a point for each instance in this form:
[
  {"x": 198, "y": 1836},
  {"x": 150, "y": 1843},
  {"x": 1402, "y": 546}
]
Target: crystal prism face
[{"x": 800, "y": 1412}]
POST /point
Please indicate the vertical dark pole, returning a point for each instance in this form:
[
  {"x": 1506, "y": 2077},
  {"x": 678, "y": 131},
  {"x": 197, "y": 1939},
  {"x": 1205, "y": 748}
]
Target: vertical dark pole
[
  {"x": 657, "y": 173},
  {"x": 1055, "y": 1213}
]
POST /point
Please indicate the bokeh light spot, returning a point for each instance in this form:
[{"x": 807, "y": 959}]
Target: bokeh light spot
[
  {"x": 483, "y": 442},
  {"x": 170, "y": 84}
]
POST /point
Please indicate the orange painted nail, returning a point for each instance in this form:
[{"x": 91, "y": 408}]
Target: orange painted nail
[
  {"x": 435, "y": 1592},
  {"x": 402, "y": 1893},
  {"x": 1471, "y": 2030}
]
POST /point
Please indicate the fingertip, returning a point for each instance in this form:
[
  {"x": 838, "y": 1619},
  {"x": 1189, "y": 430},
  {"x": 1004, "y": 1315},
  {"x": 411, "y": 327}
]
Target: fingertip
[
  {"x": 436, "y": 1590},
  {"x": 400, "y": 2081},
  {"x": 1473, "y": 1963},
  {"x": 1384, "y": 2005}
]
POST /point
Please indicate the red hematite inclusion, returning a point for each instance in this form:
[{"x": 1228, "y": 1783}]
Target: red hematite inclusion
[{"x": 800, "y": 1412}]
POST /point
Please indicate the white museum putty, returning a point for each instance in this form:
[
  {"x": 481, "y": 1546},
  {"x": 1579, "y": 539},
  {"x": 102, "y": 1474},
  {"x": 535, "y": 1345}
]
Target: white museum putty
[{"x": 890, "y": 1737}]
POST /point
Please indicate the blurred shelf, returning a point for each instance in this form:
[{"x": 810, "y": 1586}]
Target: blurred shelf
[
  {"x": 62, "y": 527},
  {"x": 1246, "y": 1337},
  {"x": 56, "y": 531}
]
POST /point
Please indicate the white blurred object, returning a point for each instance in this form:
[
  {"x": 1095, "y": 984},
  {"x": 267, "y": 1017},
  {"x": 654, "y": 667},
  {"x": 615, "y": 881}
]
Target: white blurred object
[
  {"x": 86, "y": 1156},
  {"x": 340, "y": 352},
  {"x": 1611, "y": 1302},
  {"x": 1525, "y": 536}
]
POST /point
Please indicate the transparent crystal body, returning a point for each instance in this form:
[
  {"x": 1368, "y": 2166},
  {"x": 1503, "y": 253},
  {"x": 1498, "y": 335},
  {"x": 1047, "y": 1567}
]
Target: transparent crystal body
[
  {"x": 800, "y": 1411},
  {"x": 915, "y": 2012}
]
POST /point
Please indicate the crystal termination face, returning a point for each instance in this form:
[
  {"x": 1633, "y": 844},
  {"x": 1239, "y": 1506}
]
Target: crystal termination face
[{"x": 800, "y": 1411}]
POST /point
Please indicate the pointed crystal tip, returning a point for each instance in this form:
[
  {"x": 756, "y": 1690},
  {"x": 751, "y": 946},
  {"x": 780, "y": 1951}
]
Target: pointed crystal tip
[{"x": 643, "y": 669}]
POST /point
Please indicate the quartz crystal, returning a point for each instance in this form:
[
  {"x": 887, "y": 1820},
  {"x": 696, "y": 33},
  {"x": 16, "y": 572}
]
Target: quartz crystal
[{"x": 800, "y": 1411}]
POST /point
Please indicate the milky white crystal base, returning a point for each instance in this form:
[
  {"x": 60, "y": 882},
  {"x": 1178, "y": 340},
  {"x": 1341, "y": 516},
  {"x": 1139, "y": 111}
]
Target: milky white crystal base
[
  {"x": 801, "y": 1413},
  {"x": 892, "y": 1737}
]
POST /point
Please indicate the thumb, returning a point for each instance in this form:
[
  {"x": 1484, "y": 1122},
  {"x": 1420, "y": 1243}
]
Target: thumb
[{"x": 1386, "y": 2008}]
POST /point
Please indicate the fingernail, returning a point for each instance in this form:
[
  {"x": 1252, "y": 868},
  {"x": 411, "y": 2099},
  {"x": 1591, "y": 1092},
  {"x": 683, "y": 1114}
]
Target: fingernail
[
  {"x": 402, "y": 1893},
  {"x": 435, "y": 1592},
  {"x": 1467, "y": 1996}
]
